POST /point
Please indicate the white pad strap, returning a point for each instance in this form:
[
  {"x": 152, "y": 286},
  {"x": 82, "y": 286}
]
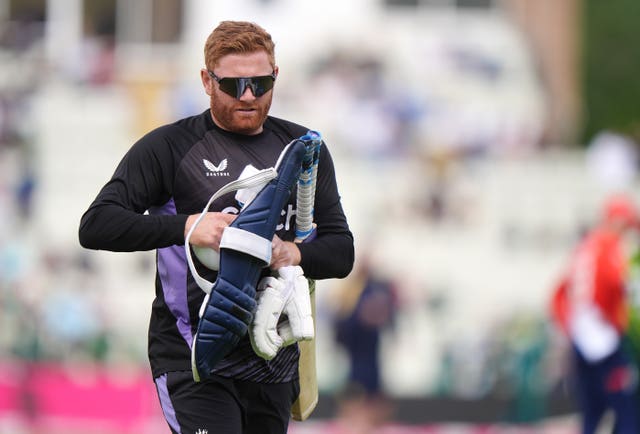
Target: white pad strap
[
  {"x": 246, "y": 242},
  {"x": 260, "y": 178}
]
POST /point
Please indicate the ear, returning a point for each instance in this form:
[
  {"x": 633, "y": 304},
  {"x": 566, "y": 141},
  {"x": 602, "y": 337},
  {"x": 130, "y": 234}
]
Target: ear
[
  {"x": 276, "y": 70},
  {"x": 207, "y": 81}
]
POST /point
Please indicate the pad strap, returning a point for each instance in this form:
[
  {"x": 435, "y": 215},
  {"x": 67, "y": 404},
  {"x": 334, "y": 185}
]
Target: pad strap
[
  {"x": 262, "y": 177},
  {"x": 246, "y": 242}
]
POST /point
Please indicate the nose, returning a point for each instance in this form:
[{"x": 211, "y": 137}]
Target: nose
[{"x": 247, "y": 94}]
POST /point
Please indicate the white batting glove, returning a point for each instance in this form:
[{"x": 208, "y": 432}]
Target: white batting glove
[
  {"x": 286, "y": 333},
  {"x": 298, "y": 305},
  {"x": 287, "y": 294},
  {"x": 263, "y": 331}
]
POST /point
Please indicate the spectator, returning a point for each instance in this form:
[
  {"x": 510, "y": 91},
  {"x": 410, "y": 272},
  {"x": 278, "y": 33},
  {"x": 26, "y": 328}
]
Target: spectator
[
  {"x": 591, "y": 306},
  {"x": 368, "y": 308}
]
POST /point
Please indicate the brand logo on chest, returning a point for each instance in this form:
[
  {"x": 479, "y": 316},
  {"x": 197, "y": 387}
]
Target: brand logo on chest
[{"x": 216, "y": 170}]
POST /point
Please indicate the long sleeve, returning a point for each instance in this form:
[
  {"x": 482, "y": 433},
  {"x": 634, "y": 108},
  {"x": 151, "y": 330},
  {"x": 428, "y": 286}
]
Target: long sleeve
[
  {"x": 117, "y": 220},
  {"x": 331, "y": 253}
]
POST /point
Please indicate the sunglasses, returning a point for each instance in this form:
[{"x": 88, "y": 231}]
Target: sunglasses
[{"x": 235, "y": 86}]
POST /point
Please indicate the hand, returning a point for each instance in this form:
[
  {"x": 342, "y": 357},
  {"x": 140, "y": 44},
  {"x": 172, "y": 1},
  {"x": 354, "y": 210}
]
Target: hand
[
  {"x": 209, "y": 231},
  {"x": 283, "y": 253}
]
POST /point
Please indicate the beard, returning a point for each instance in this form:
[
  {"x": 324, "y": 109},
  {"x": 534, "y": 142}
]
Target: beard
[{"x": 239, "y": 116}]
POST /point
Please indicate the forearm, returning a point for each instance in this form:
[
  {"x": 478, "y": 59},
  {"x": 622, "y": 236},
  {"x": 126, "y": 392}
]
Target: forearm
[
  {"x": 331, "y": 254},
  {"x": 328, "y": 256},
  {"x": 111, "y": 227}
]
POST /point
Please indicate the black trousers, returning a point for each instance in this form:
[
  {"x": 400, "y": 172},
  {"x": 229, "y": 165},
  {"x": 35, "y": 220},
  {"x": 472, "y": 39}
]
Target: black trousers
[{"x": 224, "y": 406}]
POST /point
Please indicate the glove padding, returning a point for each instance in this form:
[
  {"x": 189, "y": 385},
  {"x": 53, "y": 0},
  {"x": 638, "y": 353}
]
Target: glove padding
[
  {"x": 298, "y": 306},
  {"x": 265, "y": 339},
  {"x": 286, "y": 294}
]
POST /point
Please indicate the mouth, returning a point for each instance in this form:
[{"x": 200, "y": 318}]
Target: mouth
[
  {"x": 246, "y": 113},
  {"x": 246, "y": 109}
]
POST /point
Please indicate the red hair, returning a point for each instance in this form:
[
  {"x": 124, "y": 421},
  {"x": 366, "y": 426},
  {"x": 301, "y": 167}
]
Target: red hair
[{"x": 237, "y": 37}]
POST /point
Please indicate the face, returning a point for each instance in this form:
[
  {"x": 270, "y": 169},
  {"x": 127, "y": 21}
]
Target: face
[{"x": 247, "y": 114}]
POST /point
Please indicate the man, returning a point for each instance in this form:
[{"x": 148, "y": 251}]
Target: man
[
  {"x": 590, "y": 305},
  {"x": 171, "y": 172},
  {"x": 366, "y": 309}
]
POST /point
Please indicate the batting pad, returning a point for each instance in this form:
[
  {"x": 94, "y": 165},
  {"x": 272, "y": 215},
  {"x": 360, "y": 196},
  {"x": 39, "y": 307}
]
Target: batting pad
[{"x": 245, "y": 250}]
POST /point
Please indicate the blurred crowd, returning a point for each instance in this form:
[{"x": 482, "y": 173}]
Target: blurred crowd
[{"x": 51, "y": 298}]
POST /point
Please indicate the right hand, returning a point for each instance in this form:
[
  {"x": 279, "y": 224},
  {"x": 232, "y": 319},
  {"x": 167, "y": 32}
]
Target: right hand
[
  {"x": 209, "y": 231},
  {"x": 283, "y": 253}
]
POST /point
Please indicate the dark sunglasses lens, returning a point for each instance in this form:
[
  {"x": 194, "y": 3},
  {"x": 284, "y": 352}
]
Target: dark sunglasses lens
[
  {"x": 261, "y": 85},
  {"x": 229, "y": 86},
  {"x": 235, "y": 87}
]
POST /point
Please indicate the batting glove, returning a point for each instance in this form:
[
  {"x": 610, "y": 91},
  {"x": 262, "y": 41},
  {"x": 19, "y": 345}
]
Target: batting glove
[
  {"x": 287, "y": 294},
  {"x": 263, "y": 334}
]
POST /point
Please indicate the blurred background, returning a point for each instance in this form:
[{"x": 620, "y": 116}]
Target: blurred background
[{"x": 474, "y": 141}]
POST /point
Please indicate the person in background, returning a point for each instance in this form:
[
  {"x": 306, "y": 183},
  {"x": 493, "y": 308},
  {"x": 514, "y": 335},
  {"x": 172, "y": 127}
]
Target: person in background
[
  {"x": 590, "y": 305},
  {"x": 366, "y": 309},
  {"x": 633, "y": 332},
  {"x": 157, "y": 193}
]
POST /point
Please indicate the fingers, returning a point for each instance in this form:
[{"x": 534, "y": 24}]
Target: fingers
[
  {"x": 283, "y": 253},
  {"x": 209, "y": 231}
]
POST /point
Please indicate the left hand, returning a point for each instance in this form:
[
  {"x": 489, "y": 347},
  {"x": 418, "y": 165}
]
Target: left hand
[{"x": 283, "y": 253}]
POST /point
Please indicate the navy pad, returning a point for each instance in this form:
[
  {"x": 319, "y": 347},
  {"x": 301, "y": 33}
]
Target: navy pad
[{"x": 230, "y": 308}]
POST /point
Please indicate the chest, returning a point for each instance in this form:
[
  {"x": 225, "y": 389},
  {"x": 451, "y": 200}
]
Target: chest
[{"x": 217, "y": 160}]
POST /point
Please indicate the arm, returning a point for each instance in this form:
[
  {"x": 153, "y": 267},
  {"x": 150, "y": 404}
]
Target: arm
[
  {"x": 559, "y": 304},
  {"x": 610, "y": 279},
  {"x": 116, "y": 219},
  {"x": 331, "y": 253}
]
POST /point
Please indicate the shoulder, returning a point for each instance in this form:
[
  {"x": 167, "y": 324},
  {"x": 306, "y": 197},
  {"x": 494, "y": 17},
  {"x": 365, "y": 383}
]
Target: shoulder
[
  {"x": 283, "y": 126},
  {"x": 177, "y": 136},
  {"x": 191, "y": 128}
]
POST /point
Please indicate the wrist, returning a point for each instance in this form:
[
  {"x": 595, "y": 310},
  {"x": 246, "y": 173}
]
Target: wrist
[
  {"x": 296, "y": 256},
  {"x": 188, "y": 223}
]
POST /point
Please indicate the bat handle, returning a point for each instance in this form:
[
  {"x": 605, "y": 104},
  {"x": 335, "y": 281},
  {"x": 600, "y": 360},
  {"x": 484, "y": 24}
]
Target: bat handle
[{"x": 307, "y": 237}]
